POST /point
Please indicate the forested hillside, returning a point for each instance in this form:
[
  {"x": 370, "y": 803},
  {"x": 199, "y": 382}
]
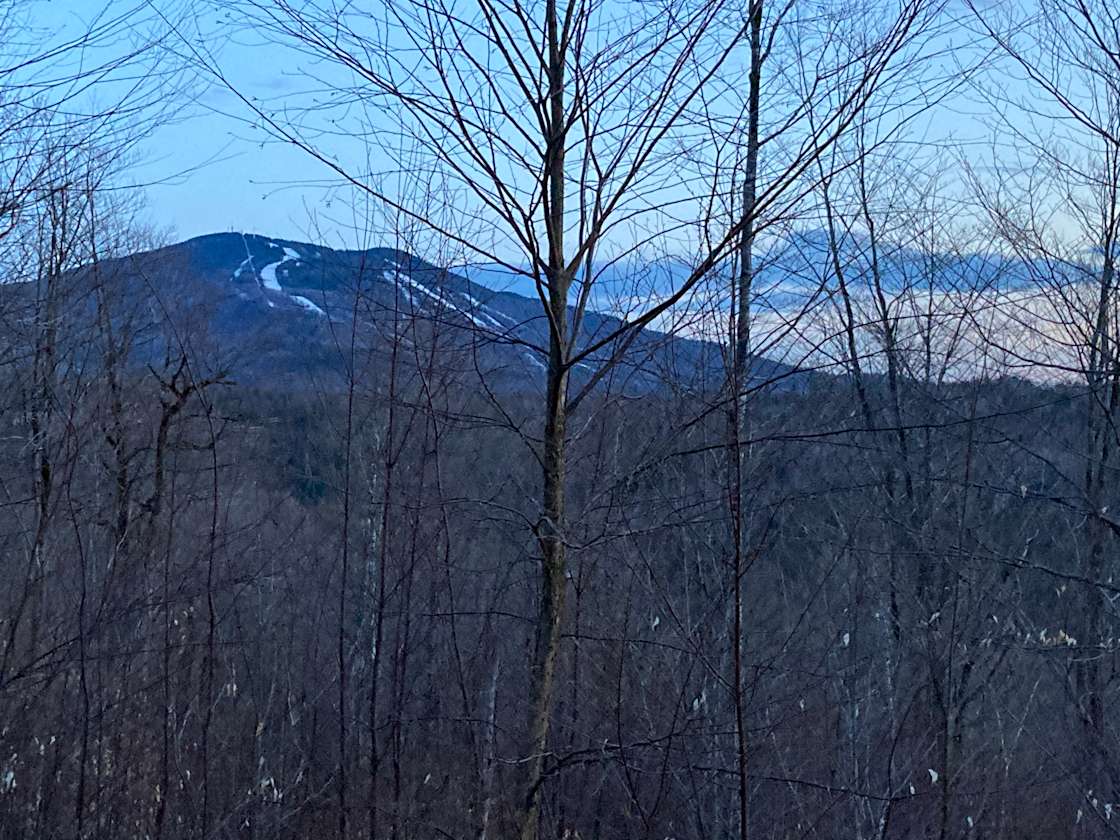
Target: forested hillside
[{"x": 692, "y": 443}]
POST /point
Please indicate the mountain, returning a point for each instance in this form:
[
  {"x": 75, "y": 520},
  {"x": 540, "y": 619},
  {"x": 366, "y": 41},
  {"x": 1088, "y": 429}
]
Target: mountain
[
  {"x": 796, "y": 265},
  {"x": 279, "y": 312},
  {"x": 283, "y": 309}
]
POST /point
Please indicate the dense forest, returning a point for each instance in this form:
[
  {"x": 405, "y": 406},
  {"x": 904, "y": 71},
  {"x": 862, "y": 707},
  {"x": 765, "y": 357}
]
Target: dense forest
[{"x": 779, "y": 504}]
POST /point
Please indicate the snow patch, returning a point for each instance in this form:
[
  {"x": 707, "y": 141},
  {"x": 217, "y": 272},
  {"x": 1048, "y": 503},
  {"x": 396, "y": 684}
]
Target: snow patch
[
  {"x": 482, "y": 310},
  {"x": 248, "y": 261},
  {"x": 481, "y": 319},
  {"x": 420, "y": 287},
  {"x": 307, "y": 304},
  {"x": 268, "y": 273}
]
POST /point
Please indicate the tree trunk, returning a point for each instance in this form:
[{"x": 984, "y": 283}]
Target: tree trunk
[
  {"x": 740, "y": 414},
  {"x": 550, "y": 527}
]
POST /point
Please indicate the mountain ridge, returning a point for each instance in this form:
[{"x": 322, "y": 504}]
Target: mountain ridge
[{"x": 272, "y": 293}]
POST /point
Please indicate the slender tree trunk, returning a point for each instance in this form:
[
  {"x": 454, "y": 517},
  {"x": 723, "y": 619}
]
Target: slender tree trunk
[
  {"x": 1104, "y": 390},
  {"x": 550, "y": 528},
  {"x": 488, "y": 749},
  {"x": 739, "y": 425},
  {"x": 552, "y": 595}
]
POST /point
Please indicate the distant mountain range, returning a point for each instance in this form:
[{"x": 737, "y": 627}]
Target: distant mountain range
[
  {"x": 790, "y": 268},
  {"x": 281, "y": 311}
]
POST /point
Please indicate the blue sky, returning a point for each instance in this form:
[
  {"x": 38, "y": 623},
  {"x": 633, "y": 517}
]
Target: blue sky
[{"x": 210, "y": 170}]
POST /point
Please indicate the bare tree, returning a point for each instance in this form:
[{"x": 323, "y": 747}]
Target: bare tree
[{"x": 556, "y": 125}]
